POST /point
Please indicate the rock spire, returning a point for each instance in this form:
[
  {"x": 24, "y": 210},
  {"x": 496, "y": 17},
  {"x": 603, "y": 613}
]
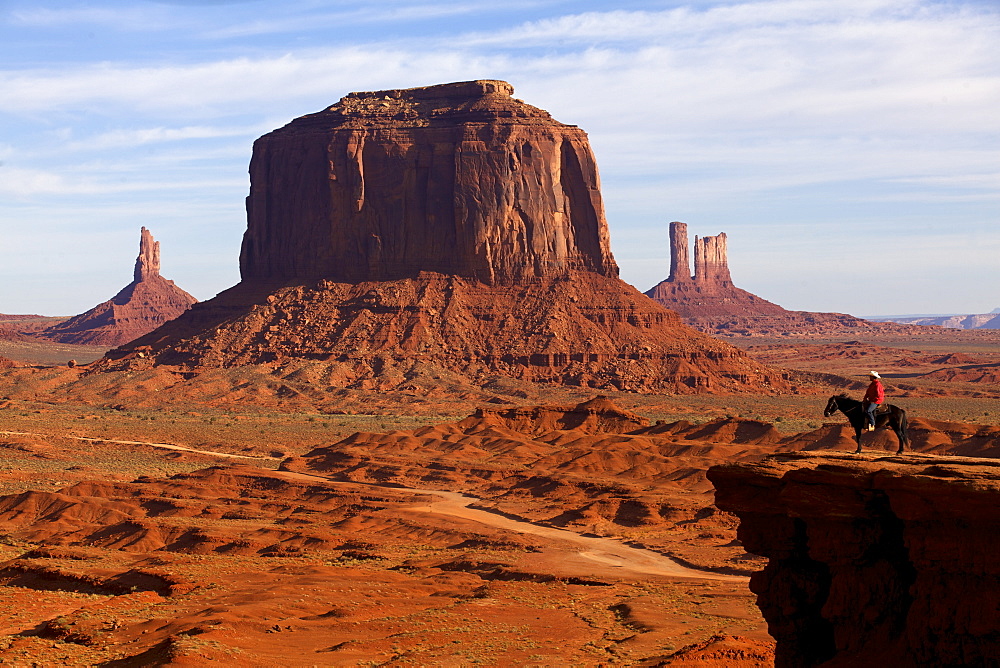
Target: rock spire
[
  {"x": 147, "y": 265},
  {"x": 140, "y": 307},
  {"x": 709, "y": 302},
  {"x": 711, "y": 264}
]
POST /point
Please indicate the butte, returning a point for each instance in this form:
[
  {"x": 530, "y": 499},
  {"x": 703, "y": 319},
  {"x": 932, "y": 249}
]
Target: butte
[
  {"x": 709, "y": 301},
  {"x": 449, "y": 229}
]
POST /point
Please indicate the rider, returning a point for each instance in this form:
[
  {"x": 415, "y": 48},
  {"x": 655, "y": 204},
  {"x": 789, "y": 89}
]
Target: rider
[{"x": 874, "y": 395}]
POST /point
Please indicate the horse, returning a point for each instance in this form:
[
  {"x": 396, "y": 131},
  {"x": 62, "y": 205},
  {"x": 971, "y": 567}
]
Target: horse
[{"x": 887, "y": 414}]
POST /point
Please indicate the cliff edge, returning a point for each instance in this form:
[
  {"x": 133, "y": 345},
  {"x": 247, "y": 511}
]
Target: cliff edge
[{"x": 872, "y": 561}]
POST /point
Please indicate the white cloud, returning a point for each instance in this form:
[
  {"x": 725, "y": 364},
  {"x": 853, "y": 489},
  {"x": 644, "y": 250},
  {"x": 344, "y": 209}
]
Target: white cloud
[
  {"x": 23, "y": 183},
  {"x": 138, "y": 137},
  {"x": 131, "y": 17}
]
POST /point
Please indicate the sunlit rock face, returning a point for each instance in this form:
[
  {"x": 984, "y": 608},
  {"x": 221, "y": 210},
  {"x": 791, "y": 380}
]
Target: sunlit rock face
[{"x": 459, "y": 179}]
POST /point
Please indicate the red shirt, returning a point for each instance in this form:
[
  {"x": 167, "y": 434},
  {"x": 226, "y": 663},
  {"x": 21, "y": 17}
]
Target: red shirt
[{"x": 875, "y": 393}]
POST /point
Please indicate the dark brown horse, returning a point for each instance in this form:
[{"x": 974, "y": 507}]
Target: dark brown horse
[{"x": 893, "y": 416}]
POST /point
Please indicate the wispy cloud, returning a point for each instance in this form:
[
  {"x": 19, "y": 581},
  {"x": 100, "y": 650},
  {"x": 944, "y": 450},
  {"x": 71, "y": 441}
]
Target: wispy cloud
[
  {"x": 136, "y": 17},
  {"x": 131, "y": 138},
  {"x": 22, "y": 183},
  {"x": 370, "y": 14}
]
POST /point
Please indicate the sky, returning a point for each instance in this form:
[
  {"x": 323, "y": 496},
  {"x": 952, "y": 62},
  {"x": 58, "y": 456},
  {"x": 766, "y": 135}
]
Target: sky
[{"x": 849, "y": 149}]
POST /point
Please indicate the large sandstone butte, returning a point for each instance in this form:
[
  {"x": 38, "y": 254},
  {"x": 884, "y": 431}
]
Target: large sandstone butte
[
  {"x": 459, "y": 179},
  {"x": 709, "y": 301},
  {"x": 400, "y": 233},
  {"x": 143, "y": 305},
  {"x": 888, "y": 561}
]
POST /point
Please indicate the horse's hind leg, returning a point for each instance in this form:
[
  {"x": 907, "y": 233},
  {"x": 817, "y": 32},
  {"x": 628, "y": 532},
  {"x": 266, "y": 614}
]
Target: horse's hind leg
[{"x": 857, "y": 437}]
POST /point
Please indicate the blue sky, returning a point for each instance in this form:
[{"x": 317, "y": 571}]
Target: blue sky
[{"x": 850, "y": 149}]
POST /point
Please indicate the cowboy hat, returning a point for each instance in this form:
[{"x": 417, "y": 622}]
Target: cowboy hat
[{"x": 874, "y": 374}]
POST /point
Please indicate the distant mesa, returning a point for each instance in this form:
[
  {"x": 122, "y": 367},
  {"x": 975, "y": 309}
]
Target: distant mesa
[
  {"x": 709, "y": 301},
  {"x": 143, "y": 305},
  {"x": 449, "y": 228},
  {"x": 989, "y": 320}
]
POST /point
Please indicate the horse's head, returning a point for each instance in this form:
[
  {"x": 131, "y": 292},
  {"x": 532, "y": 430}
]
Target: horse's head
[{"x": 831, "y": 406}]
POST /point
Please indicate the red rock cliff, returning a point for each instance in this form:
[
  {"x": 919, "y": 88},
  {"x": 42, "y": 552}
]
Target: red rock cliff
[
  {"x": 890, "y": 561},
  {"x": 459, "y": 179}
]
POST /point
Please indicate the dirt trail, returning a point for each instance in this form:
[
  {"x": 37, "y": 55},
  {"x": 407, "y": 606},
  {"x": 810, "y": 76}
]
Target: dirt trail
[
  {"x": 605, "y": 551},
  {"x": 164, "y": 446}
]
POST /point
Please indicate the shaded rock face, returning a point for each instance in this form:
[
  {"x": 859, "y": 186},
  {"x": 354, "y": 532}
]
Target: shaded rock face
[
  {"x": 459, "y": 179},
  {"x": 886, "y": 561},
  {"x": 143, "y": 305},
  {"x": 709, "y": 302},
  {"x": 451, "y": 227}
]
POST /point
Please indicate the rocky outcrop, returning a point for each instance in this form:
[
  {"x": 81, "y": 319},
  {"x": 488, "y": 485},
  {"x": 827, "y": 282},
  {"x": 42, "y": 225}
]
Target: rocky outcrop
[
  {"x": 709, "y": 302},
  {"x": 711, "y": 262},
  {"x": 451, "y": 228},
  {"x": 872, "y": 561},
  {"x": 583, "y": 330},
  {"x": 143, "y": 305}
]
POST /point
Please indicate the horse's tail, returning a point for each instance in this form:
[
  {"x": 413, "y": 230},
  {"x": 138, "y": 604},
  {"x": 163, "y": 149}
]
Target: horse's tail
[{"x": 904, "y": 424}]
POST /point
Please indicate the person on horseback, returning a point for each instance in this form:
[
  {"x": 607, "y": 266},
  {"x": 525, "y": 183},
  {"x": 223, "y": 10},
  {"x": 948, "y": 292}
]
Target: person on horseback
[{"x": 874, "y": 396}]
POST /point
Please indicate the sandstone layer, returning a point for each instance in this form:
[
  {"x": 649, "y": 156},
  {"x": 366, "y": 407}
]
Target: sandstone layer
[
  {"x": 872, "y": 561},
  {"x": 452, "y": 228},
  {"x": 140, "y": 307},
  {"x": 583, "y": 329},
  {"x": 708, "y": 301}
]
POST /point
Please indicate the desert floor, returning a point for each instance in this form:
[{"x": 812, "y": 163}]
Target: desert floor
[{"x": 186, "y": 533}]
